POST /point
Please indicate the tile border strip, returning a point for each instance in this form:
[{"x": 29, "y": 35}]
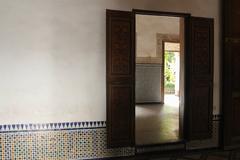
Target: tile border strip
[
  {"x": 61, "y": 126},
  {"x": 52, "y": 126}
]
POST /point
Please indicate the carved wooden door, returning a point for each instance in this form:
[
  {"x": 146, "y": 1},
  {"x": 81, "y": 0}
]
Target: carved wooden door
[
  {"x": 231, "y": 74},
  {"x": 120, "y": 80},
  {"x": 199, "y": 79}
]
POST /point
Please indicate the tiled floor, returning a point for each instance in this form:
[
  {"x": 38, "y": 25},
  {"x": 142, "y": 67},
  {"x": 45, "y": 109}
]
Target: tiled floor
[
  {"x": 158, "y": 123},
  {"x": 203, "y": 155}
]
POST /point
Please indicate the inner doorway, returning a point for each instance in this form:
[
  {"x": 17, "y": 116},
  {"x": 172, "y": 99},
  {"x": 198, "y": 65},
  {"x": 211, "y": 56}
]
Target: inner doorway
[
  {"x": 159, "y": 85},
  {"x": 196, "y": 77}
]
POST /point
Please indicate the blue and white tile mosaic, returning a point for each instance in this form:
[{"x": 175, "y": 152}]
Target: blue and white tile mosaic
[
  {"x": 57, "y": 141},
  {"x": 52, "y": 126},
  {"x": 67, "y": 141}
]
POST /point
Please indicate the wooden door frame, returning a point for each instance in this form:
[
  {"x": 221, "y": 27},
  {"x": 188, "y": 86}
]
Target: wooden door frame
[
  {"x": 222, "y": 77},
  {"x": 186, "y": 17},
  {"x": 227, "y": 39}
]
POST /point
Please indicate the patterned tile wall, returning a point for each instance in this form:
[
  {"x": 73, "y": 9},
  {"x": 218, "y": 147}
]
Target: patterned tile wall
[
  {"x": 82, "y": 141},
  {"x": 70, "y": 141},
  {"x": 146, "y": 75}
]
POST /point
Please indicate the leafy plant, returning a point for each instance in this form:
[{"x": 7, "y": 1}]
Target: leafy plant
[{"x": 169, "y": 75}]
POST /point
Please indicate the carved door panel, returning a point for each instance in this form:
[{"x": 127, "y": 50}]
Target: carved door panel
[
  {"x": 231, "y": 18},
  {"x": 120, "y": 80},
  {"x": 231, "y": 74},
  {"x": 231, "y": 95},
  {"x": 200, "y": 79}
]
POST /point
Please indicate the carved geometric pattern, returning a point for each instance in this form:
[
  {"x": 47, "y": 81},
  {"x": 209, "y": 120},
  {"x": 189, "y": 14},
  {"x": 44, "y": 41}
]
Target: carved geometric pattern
[
  {"x": 119, "y": 78},
  {"x": 201, "y": 64},
  {"x": 201, "y": 107},
  {"x": 201, "y": 51},
  {"x": 120, "y": 47},
  {"x": 121, "y": 100}
]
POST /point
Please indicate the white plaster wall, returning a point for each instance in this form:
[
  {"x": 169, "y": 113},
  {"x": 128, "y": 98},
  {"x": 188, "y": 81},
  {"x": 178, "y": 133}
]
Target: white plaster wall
[
  {"x": 147, "y": 27},
  {"x": 52, "y": 56}
]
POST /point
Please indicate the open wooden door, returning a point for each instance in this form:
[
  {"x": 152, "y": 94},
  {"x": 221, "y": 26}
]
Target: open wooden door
[
  {"x": 231, "y": 74},
  {"x": 120, "y": 80},
  {"x": 199, "y": 79}
]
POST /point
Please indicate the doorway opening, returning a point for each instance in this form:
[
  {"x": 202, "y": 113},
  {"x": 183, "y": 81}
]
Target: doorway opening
[
  {"x": 159, "y": 84},
  {"x": 171, "y": 53}
]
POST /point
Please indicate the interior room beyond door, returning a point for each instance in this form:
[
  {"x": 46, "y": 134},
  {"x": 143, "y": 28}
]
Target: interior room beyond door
[{"x": 159, "y": 77}]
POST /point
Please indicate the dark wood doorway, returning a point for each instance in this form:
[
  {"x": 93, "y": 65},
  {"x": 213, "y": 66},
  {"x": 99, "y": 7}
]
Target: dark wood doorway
[
  {"x": 196, "y": 121},
  {"x": 231, "y": 74}
]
